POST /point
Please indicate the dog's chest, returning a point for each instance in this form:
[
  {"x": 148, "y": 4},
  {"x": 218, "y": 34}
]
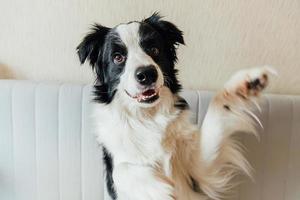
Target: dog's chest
[{"x": 134, "y": 140}]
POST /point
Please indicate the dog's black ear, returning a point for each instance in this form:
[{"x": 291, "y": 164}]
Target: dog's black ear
[
  {"x": 168, "y": 30},
  {"x": 91, "y": 45}
]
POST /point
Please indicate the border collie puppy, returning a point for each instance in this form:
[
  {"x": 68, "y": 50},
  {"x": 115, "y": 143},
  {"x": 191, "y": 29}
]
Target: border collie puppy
[{"x": 150, "y": 148}]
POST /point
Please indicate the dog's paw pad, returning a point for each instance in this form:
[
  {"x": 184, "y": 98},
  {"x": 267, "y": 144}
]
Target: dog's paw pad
[{"x": 250, "y": 82}]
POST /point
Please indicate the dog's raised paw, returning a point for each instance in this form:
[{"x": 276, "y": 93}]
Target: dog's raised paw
[{"x": 249, "y": 83}]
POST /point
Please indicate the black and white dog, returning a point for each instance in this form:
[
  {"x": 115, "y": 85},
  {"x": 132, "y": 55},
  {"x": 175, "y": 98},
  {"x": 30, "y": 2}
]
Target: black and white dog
[{"x": 151, "y": 150}]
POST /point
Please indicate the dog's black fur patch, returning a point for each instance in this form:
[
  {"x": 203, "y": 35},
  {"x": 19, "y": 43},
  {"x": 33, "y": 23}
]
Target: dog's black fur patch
[
  {"x": 195, "y": 186},
  {"x": 181, "y": 104},
  {"x": 109, "y": 166},
  {"x": 169, "y": 38},
  {"x": 98, "y": 47}
]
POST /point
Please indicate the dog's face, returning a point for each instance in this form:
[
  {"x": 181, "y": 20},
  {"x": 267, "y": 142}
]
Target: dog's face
[{"x": 133, "y": 61}]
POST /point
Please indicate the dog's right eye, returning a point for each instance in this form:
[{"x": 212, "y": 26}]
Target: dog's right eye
[{"x": 118, "y": 58}]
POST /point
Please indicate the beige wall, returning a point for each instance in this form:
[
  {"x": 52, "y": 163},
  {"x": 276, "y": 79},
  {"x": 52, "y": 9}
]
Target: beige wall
[{"x": 38, "y": 37}]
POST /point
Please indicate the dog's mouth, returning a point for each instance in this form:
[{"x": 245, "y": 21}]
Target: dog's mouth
[{"x": 146, "y": 96}]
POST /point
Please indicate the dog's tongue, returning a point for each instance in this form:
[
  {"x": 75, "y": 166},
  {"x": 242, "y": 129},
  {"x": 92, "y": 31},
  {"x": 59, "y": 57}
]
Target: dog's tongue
[{"x": 148, "y": 92}]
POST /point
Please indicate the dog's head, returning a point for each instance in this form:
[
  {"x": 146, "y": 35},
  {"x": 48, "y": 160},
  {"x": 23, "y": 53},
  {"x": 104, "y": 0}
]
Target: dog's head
[{"x": 133, "y": 61}]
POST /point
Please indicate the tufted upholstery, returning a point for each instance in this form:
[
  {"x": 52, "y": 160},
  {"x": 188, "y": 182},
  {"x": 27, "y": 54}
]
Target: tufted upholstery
[{"x": 48, "y": 150}]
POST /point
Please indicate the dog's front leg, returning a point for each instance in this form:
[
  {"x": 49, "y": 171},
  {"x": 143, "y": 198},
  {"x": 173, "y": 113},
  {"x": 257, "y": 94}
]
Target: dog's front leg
[
  {"x": 230, "y": 111},
  {"x": 136, "y": 182}
]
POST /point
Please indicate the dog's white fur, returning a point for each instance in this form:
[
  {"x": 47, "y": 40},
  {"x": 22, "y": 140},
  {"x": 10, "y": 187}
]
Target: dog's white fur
[{"x": 155, "y": 148}]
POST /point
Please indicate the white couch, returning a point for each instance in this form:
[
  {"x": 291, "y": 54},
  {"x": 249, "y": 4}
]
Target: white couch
[{"x": 48, "y": 150}]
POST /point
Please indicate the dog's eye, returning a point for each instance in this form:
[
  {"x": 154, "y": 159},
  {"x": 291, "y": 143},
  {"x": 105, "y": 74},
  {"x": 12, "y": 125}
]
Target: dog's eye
[
  {"x": 154, "y": 51},
  {"x": 118, "y": 58}
]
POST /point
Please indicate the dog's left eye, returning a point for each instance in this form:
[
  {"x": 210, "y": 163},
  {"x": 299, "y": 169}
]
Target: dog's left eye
[{"x": 154, "y": 51}]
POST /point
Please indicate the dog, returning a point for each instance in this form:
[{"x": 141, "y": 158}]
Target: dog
[{"x": 151, "y": 150}]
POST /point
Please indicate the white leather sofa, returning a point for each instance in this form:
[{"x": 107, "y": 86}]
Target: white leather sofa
[{"x": 48, "y": 150}]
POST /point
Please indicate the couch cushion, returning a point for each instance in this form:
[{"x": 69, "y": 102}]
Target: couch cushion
[{"x": 48, "y": 150}]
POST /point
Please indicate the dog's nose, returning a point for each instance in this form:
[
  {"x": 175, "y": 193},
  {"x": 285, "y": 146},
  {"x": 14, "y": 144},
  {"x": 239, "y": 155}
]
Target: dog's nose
[{"x": 146, "y": 75}]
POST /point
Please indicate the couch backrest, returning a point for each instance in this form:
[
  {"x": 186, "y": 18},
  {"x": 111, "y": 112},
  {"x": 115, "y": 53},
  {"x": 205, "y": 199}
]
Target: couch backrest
[{"x": 48, "y": 150}]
